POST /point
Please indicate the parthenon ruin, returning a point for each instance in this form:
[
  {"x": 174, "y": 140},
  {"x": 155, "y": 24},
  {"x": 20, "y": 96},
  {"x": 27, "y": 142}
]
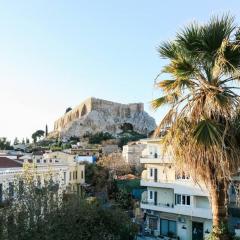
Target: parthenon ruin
[{"x": 117, "y": 109}]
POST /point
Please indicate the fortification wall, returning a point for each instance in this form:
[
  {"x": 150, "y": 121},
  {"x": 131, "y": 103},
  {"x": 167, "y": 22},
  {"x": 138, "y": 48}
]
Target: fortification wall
[{"x": 116, "y": 109}]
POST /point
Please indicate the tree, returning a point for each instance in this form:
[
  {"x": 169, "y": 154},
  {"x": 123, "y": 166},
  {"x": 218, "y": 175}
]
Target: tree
[
  {"x": 97, "y": 138},
  {"x": 16, "y": 141},
  {"x": 115, "y": 163},
  {"x": 43, "y": 212},
  {"x": 27, "y": 141},
  {"x": 97, "y": 176},
  {"x": 68, "y": 109},
  {"x": 46, "y": 130},
  {"x": 37, "y": 134},
  {"x": 23, "y": 141},
  {"x": 202, "y": 124},
  {"x": 5, "y": 144},
  {"x": 22, "y": 214}
]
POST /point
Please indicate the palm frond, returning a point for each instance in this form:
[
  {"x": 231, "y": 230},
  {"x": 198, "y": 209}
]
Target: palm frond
[
  {"x": 207, "y": 133},
  {"x": 168, "y": 50},
  {"x": 167, "y": 99}
]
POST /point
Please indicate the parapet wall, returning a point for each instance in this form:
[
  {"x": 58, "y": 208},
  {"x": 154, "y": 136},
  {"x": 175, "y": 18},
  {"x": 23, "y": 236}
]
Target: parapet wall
[{"x": 116, "y": 109}]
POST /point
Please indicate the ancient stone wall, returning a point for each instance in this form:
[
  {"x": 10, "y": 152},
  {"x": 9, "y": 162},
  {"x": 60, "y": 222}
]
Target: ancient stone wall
[
  {"x": 91, "y": 104},
  {"x": 76, "y": 113}
]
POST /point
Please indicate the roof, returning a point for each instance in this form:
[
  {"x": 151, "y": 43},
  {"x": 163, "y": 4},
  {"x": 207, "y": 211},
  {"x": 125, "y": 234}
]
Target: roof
[{"x": 9, "y": 163}]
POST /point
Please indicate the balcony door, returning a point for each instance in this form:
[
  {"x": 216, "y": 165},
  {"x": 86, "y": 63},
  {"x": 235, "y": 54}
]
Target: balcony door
[
  {"x": 197, "y": 231},
  {"x": 155, "y": 198},
  {"x": 155, "y": 174}
]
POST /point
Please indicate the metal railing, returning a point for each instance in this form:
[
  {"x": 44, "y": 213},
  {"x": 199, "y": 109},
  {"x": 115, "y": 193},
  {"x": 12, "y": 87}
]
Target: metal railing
[{"x": 166, "y": 205}]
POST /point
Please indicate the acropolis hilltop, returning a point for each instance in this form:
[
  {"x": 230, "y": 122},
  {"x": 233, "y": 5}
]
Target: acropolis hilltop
[{"x": 95, "y": 115}]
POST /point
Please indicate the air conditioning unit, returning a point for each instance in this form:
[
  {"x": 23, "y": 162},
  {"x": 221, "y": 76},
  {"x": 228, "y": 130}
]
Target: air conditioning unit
[{"x": 181, "y": 220}]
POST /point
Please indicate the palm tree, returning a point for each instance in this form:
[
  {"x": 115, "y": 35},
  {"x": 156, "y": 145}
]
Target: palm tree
[{"x": 203, "y": 127}]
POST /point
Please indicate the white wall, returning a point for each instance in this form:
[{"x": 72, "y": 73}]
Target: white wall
[{"x": 201, "y": 202}]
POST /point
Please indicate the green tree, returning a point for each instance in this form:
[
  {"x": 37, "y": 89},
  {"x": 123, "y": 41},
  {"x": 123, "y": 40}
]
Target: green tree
[
  {"x": 16, "y": 141},
  {"x": 202, "y": 124},
  {"x": 46, "y": 130},
  {"x": 36, "y": 135},
  {"x": 97, "y": 176},
  {"x": 5, "y": 144},
  {"x": 97, "y": 138},
  {"x": 43, "y": 212},
  {"x": 22, "y": 215},
  {"x": 68, "y": 109}
]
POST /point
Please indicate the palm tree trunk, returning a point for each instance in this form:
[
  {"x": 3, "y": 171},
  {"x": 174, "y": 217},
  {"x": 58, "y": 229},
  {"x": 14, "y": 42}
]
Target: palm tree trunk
[{"x": 219, "y": 196}]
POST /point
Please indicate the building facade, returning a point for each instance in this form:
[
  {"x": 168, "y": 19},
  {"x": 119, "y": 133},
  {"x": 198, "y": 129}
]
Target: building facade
[
  {"x": 174, "y": 205},
  {"x": 132, "y": 152},
  {"x": 64, "y": 171}
]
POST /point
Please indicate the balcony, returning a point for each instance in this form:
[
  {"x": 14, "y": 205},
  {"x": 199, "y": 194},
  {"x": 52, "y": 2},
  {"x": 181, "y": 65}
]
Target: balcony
[
  {"x": 155, "y": 159},
  {"x": 179, "y": 186},
  {"x": 178, "y": 209}
]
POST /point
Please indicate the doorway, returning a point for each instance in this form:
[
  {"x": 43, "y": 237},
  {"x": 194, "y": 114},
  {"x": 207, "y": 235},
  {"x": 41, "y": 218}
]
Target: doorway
[
  {"x": 155, "y": 198},
  {"x": 197, "y": 231},
  {"x": 155, "y": 174}
]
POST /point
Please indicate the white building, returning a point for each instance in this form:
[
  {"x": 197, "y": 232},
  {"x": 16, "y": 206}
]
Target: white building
[
  {"x": 132, "y": 152},
  {"x": 69, "y": 174},
  {"x": 173, "y": 204}
]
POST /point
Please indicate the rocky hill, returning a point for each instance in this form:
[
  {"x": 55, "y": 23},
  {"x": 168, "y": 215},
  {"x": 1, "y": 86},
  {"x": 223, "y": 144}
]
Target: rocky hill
[{"x": 97, "y": 115}]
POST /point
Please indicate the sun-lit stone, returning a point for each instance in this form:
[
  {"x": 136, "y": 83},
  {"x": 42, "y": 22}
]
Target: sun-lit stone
[{"x": 97, "y": 115}]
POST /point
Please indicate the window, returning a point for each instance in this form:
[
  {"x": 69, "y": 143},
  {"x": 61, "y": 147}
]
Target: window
[
  {"x": 177, "y": 199},
  {"x": 151, "y": 172},
  {"x": 164, "y": 226},
  {"x": 38, "y": 160},
  {"x": 70, "y": 176},
  {"x": 76, "y": 175},
  {"x": 64, "y": 177},
  {"x": 82, "y": 174},
  {"x": 182, "y": 199},
  {"x": 172, "y": 228},
  {"x": 151, "y": 194},
  {"x": 1, "y": 192},
  {"x": 153, "y": 223},
  {"x": 11, "y": 189},
  {"x": 168, "y": 227}
]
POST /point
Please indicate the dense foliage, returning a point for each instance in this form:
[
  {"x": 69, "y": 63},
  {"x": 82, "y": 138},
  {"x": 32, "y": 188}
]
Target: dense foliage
[
  {"x": 44, "y": 212},
  {"x": 37, "y": 135},
  {"x": 5, "y": 144},
  {"x": 99, "y": 137}
]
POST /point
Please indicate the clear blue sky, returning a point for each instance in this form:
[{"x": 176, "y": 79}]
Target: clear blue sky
[{"x": 54, "y": 54}]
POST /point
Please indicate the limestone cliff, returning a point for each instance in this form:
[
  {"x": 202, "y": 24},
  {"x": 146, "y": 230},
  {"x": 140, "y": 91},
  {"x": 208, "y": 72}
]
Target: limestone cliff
[{"x": 97, "y": 115}]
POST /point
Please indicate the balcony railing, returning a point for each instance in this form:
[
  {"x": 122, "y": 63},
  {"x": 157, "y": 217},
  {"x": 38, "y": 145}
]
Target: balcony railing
[
  {"x": 155, "y": 159},
  {"x": 166, "y": 205},
  {"x": 178, "y": 209}
]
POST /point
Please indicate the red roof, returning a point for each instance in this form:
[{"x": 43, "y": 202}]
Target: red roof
[{"x": 9, "y": 163}]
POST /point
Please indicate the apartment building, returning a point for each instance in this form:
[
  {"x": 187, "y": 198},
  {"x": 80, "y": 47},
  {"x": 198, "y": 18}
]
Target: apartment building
[
  {"x": 174, "y": 206},
  {"x": 132, "y": 152},
  {"x": 69, "y": 174}
]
